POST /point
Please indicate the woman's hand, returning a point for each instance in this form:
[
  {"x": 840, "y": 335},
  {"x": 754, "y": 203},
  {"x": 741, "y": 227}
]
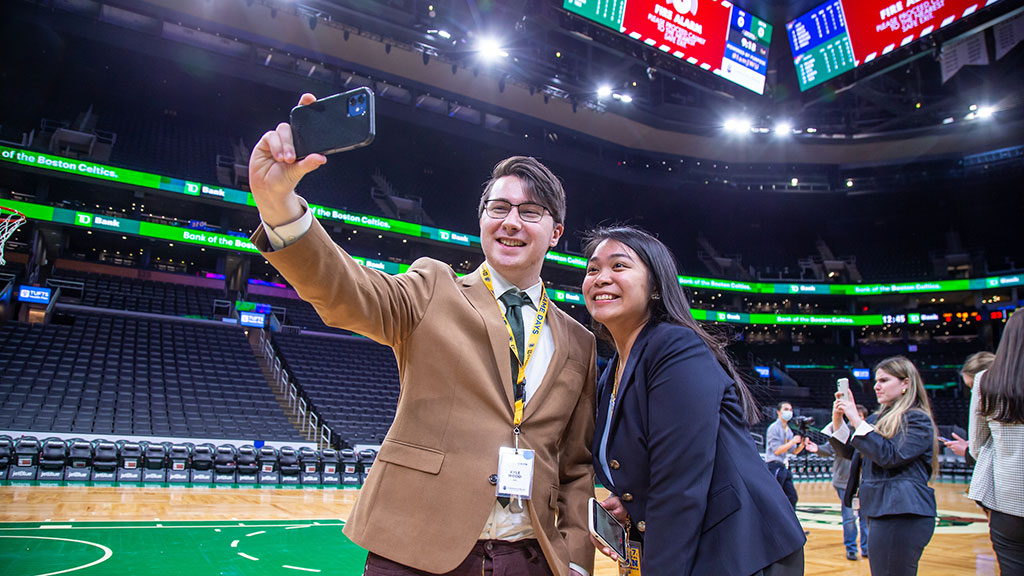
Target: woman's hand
[
  {"x": 846, "y": 406},
  {"x": 614, "y": 507}
]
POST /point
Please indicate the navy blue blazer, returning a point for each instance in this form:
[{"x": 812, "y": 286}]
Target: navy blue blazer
[
  {"x": 684, "y": 464},
  {"x": 894, "y": 472}
]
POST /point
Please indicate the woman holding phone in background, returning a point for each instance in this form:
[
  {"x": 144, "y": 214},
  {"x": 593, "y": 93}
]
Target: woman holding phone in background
[
  {"x": 672, "y": 441},
  {"x": 894, "y": 456}
]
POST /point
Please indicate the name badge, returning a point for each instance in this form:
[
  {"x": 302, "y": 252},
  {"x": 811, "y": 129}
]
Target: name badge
[
  {"x": 631, "y": 565},
  {"x": 515, "y": 472}
]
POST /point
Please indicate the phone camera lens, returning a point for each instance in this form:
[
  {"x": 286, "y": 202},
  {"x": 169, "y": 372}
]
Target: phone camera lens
[{"x": 361, "y": 99}]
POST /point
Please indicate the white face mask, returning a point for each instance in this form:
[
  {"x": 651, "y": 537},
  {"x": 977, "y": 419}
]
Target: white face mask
[{"x": 786, "y": 415}]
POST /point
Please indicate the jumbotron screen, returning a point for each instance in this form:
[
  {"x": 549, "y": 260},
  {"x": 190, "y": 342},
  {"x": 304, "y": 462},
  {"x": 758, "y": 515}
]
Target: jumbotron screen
[
  {"x": 839, "y": 35},
  {"x": 715, "y": 35}
]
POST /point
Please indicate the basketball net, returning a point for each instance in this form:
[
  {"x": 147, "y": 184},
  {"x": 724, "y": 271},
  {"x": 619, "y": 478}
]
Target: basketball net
[{"x": 10, "y": 220}]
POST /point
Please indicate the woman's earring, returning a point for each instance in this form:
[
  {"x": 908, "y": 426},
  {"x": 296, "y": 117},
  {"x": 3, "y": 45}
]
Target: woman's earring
[
  {"x": 655, "y": 296},
  {"x": 904, "y": 393}
]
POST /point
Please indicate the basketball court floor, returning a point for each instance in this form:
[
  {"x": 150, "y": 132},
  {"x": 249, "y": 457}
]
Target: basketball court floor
[{"x": 178, "y": 531}]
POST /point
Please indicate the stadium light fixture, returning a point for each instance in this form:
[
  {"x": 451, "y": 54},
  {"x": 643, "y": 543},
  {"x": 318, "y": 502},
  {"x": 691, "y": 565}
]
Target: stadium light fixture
[
  {"x": 849, "y": 182},
  {"x": 794, "y": 181},
  {"x": 624, "y": 98},
  {"x": 490, "y": 49},
  {"x": 738, "y": 125},
  {"x": 986, "y": 112},
  {"x": 783, "y": 129},
  {"x": 604, "y": 91}
]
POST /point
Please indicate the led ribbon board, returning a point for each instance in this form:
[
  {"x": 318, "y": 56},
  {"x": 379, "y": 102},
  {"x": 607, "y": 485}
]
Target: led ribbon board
[
  {"x": 839, "y": 35},
  {"x": 715, "y": 35},
  {"x": 225, "y": 241}
]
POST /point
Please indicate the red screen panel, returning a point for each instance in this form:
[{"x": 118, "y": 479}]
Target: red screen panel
[
  {"x": 877, "y": 27},
  {"x": 695, "y": 30}
]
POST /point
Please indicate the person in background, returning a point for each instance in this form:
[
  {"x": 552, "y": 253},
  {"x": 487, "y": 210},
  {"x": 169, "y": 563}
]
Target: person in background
[
  {"x": 894, "y": 453},
  {"x": 780, "y": 442},
  {"x": 996, "y": 433},
  {"x": 851, "y": 517},
  {"x": 975, "y": 363},
  {"x": 672, "y": 441}
]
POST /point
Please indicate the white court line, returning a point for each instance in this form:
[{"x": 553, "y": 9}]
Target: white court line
[
  {"x": 244, "y": 555},
  {"x": 234, "y": 544},
  {"x": 152, "y": 527},
  {"x": 256, "y": 533},
  {"x": 52, "y": 526},
  {"x": 107, "y": 553},
  {"x": 294, "y": 527},
  {"x": 298, "y": 568}
]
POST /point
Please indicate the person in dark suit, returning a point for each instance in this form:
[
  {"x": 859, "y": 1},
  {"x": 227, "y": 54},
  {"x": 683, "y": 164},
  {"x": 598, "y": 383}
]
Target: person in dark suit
[
  {"x": 468, "y": 389},
  {"x": 672, "y": 440},
  {"x": 894, "y": 456}
]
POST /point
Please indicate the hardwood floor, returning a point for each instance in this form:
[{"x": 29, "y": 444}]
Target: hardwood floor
[{"x": 960, "y": 545}]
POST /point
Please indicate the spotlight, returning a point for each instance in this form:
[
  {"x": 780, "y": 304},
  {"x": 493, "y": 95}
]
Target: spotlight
[
  {"x": 794, "y": 181},
  {"x": 849, "y": 182},
  {"x": 490, "y": 49},
  {"x": 604, "y": 91},
  {"x": 986, "y": 112},
  {"x": 626, "y": 98},
  {"x": 738, "y": 125},
  {"x": 783, "y": 129}
]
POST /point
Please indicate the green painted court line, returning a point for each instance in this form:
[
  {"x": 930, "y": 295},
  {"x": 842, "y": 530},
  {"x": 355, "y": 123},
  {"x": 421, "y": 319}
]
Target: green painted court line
[{"x": 229, "y": 548}]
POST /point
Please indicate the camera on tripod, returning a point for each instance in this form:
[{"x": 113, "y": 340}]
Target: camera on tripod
[{"x": 803, "y": 423}]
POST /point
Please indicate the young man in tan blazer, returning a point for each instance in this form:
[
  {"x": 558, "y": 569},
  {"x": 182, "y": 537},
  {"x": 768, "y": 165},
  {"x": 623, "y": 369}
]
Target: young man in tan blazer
[{"x": 430, "y": 504}]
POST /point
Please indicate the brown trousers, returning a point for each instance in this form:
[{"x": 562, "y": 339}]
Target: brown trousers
[{"x": 488, "y": 558}]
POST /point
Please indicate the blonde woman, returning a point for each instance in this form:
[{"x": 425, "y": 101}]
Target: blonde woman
[{"x": 894, "y": 455}]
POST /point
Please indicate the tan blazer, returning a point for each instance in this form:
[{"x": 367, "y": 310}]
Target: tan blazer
[{"x": 429, "y": 494}]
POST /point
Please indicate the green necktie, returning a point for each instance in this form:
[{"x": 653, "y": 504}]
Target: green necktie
[{"x": 514, "y": 301}]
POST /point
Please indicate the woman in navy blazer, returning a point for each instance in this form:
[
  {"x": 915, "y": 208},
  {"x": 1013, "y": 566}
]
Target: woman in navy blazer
[
  {"x": 672, "y": 441},
  {"x": 894, "y": 456}
]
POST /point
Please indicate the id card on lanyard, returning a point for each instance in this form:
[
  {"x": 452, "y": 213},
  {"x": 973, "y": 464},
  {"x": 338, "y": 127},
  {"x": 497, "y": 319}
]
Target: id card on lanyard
[{"x": 515, "y": 466}]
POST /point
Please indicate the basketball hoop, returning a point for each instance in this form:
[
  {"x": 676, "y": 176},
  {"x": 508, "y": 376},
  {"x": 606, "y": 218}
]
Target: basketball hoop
[{"x": 10, "y": 219}]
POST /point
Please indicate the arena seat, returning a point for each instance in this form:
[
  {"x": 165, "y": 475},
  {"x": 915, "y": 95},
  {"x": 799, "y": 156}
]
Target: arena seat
[
  {"x": 330, "y": 462},
  {"x": 6, "y": 455},
  {"x": 105, "y": 461},
  {"x": 154, "y": 463},
  {"x": 130, "y": 457},
  {"x": 269, "y": 473},
  {"x": 247, "y": 464},
  {"x": 202, "y": 463},
  {"x": 26, "y": 459},
  {"x": 80, "y": 460},
  {"x": 224, "y": 464},
  {"x": 309, "y": 459},
  {"x": 288, "y": 465},
  {"x": 53, "y": 456}
]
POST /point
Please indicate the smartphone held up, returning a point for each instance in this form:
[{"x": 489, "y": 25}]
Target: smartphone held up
[{"x": 334, "y": 124}]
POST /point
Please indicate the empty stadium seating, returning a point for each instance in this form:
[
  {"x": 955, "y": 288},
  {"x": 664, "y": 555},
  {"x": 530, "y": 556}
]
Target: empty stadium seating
[
  {"x": 127, "y": 376},
  {"x": 356, "y": 392}
]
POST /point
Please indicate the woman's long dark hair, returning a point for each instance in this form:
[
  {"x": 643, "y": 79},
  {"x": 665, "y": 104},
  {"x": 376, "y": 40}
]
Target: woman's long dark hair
[
  {"x": 672, "y": 305},
  {"x": 1002, "y": 386}
]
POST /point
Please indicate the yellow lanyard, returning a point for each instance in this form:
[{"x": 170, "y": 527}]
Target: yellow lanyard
[{"x": 531, "y": 343}]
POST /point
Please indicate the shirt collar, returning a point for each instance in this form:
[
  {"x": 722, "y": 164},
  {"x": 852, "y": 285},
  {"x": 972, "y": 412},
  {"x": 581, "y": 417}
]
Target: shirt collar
[{"x": 501, "y": 286}]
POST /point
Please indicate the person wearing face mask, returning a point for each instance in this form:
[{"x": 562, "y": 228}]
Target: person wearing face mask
[{"x": 780, "y": 442}]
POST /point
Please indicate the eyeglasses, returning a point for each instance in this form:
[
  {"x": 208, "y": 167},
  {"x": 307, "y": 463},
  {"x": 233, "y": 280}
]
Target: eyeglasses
[{"x": 528, "y": 211}]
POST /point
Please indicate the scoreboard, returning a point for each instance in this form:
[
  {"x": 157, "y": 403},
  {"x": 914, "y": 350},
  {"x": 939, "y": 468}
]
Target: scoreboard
[
  {"x": 715, "y": 35},
  {"x": 839, "y": 35}
]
